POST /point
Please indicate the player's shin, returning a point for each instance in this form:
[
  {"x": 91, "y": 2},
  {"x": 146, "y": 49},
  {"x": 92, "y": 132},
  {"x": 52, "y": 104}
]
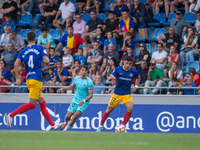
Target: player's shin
[
  {"x": 104, "y": 117},
  {"x": 127, "y": 116},
  {"x": 21, "y": 109}
]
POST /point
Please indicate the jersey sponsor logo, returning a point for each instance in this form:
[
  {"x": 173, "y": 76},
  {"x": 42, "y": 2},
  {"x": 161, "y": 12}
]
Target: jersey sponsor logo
[{"x": 122, "y": 78}]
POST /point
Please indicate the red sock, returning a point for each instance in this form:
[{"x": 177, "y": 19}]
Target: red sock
[
  {"x": 127, "y": 116},
  {"x": 21, "y": 109},
  {"x": 46, "y": 113},
  {"x": 103, "y": 119}
]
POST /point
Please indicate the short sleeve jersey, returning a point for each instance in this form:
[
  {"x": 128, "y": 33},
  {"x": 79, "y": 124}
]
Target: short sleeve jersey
[
  {"x": 82, "y": 86},
  {"x": 63, "y": 72},
  {"x": 93, "y": 24},
  {"x": 100, "y": 40},
  {"x": 32, "y": 57},
  {"x": 53, "y": 60},
  {"x": 124, "y": 79},
  {"x": 6, "y": 74},
  {"x": 82, "y": 59},
  {"x": 118, "y": 11}
]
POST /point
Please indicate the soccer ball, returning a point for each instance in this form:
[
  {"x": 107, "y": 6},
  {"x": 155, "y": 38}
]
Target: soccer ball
[{"x": 120, "y": 128}]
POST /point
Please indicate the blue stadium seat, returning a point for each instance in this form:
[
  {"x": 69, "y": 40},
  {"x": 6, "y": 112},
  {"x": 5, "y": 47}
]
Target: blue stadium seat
[
  {"x": 118, "y": 48},
  {"x": 157, "y": 32},
  {"x": 148, "y": 49},
  {"x": 36, "y": 19},
  {"x": 155, "y": 48},
  {"x": 160, "y": 17},
  {"x": 23, "y": 33},
  {"x": 108, "y": 8},
  {"x": 73, "y": 1},
  {"x": 194, "y": 64},
  {"x": 143, "y": 1},
  {"x": 102, "y": 16},
  {"x": 86, "y": 17},
  {"x": 65, "y": 32},
  {"x": 26, "y": 20},
  {"x": 171, "y": 16},
  {"x": 56, "y": 34},
  {"x": 190, "y": 17},
  {"x": 138, "y": 39},
  {"x": 38, "y": 33}
]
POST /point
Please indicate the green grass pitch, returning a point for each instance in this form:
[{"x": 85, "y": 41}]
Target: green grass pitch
[{"x": 41, "y": 140}]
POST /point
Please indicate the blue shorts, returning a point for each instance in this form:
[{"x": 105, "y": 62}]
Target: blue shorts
[{"x": 74, "y": 107}]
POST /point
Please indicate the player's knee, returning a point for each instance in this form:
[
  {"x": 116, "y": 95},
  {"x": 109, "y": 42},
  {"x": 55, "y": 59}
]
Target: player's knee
[
  {"x": 67, "y": 117},
  {"x": 130, "y": 109}
]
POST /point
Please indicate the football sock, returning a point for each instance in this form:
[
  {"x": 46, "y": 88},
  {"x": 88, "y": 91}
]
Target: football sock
[
  {"x": 67, "y": 127},
  {"x": 21, "y": 109},
  {"x": 46, "y": 113},
  {"x": 105, "y": 116},
  {"x": 127, "y": 116},
  {"x": 66, "y": 121}
]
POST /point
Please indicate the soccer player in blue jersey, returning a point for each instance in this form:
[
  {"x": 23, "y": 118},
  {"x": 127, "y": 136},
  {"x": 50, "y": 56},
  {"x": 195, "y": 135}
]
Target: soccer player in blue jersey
[
  {"x": 81, "y": 101},
  {"x": 124, "y": 76},
  {"x": 32, "y": 57}
]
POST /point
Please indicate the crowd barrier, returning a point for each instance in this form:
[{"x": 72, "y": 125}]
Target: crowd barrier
[{"x": 151, "y": 113}]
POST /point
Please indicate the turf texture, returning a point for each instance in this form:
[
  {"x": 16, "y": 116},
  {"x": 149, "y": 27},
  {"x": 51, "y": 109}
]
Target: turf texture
[{"x": 49, "y": 140}]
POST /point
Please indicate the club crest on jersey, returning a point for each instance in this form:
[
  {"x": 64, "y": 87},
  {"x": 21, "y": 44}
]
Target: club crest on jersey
[
  {"x": 131, "y": 75},
  {"x": 84, "y": 85}
]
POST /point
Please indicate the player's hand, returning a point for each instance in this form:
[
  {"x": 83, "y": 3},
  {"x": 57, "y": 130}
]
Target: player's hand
[
  {"x": 59, "y": 90},
  {"x": 58, "y": 70},
  {"x": 80, "y": 103},
  {"x": 18, "y": 82}
]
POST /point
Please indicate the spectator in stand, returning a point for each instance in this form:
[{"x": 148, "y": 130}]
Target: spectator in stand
[
  {"x": 67, "y": 11},
  {"x": 109, "y": 69},
  {"x": 43, "y": 7},
  {"x": 46, "y": 40},
  {"x": 195, "y": 52},
  {"x": 79, "y": 25},
  {"x": 91, "y": 27},
  {"x": 126, "y": 25},
  {"x": 80, "y": 4},
  {"x": 22, "y": 72},
  {"x": 174, "y": 72},
  {"x": 194, "y": 75},
  {"x": 190, "y": 83},
  {"x": 143, "y": 71},
  {"x": 128, "y": 41},
  {"x": 174, "y": 91},
  {"x": 179, "y": 24},
  {"x": 72, "y": 41},
  {"x": 95, "y": 56},
  {"x": 157, "y": 5},
  {"x": 4, "y": 38},
  {"x": 129, "y": 52},
  {"x": 93, "y": 72},
  {"x": 197, "y": 23},
  {"x": 75, "y": 69},
  {"x": 81, "y": 58},
  {"x": 144, "y": 55},
  {"x": 52, "y": 58},
  {"x": 173, "y": 57},
  {"x": 49, "y": 14},
  {"x": 17, "y": 41},
  {"x": 160, "y": 57},
  {"x": 17, "y": 89},
  {"x": 108, "y": 55},
  {"x": 170, "y": 38},
  {"x": 31, "y": 5},
  {"x": 61, "y": 75},
  {"x": 179, "y": 3},
  {"x": 125, "y": 2},
  {"x": 4, "y": 76},
  {"x": 109, "y": 40},
  {"x": 9, "y": 22},
  {"x": 49, "y": 80},
  {"x": 10, "y": 8},
  {"x": 9, "y": 56},
  {"x": 21, "y": 4},
  {"x": 111, "y": 24},
  {"x": 189, "y": 43},
  {"x": 67, "y": 59},
  {"x": 138, "y": 13},
  {"x": 100, "y": 38},
  {"x": 119, "y": 8},
  {"x": 113, "y": 83},
  {"x": 90, "y": 4},
  {"x": 98, "y": 82},
  {"x": 155, "y": 78}
]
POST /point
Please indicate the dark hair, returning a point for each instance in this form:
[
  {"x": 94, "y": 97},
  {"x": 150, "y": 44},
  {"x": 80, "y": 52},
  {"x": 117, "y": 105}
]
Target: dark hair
[
  {"x": 70, "y": 27},
  {"x": 76, "y": 61},
  {"x": 125, "y": 10},
  {"x": 13, "y": 32},
  {"x": 128, "y": 34},
  {"x": 114, "y": 60},
  {"x": 80, "y": 49},
  {"x": 130, "y": 46},
  {"x": 192, "y": 70},
  {"x": 174, "y": 79},
  {"x": 93, "y": 11},
  {"x": 31, "y": 36},
  {"x": 145, "y": 47},
  {"x": 96, "y": 42},
  {"x": 111, "y": 12},
  {"x": 101, "y": 31},
  {"x": 52, "y": 69},
  {"x": 3, "y": 62},
  {"x": 128, "y": 58},
  {"x": 7, "y": 15},
  {"x": 144, "y": 61},
  {"x": 198, "y": 12},
  {"x": 160, "y": 44},
  {"x": 84, "y": 66},
  {"x": 52, "y": 48},
  {"x": 59, "y": 61},
  {"x": 43, "y": 29}
]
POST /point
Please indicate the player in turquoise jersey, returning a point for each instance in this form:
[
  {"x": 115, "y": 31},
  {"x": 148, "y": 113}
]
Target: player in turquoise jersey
[
  {"x": 84, "y": 92},
  {"x": 124, "y": 76},
  {"x": 32, "y": 57}
]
